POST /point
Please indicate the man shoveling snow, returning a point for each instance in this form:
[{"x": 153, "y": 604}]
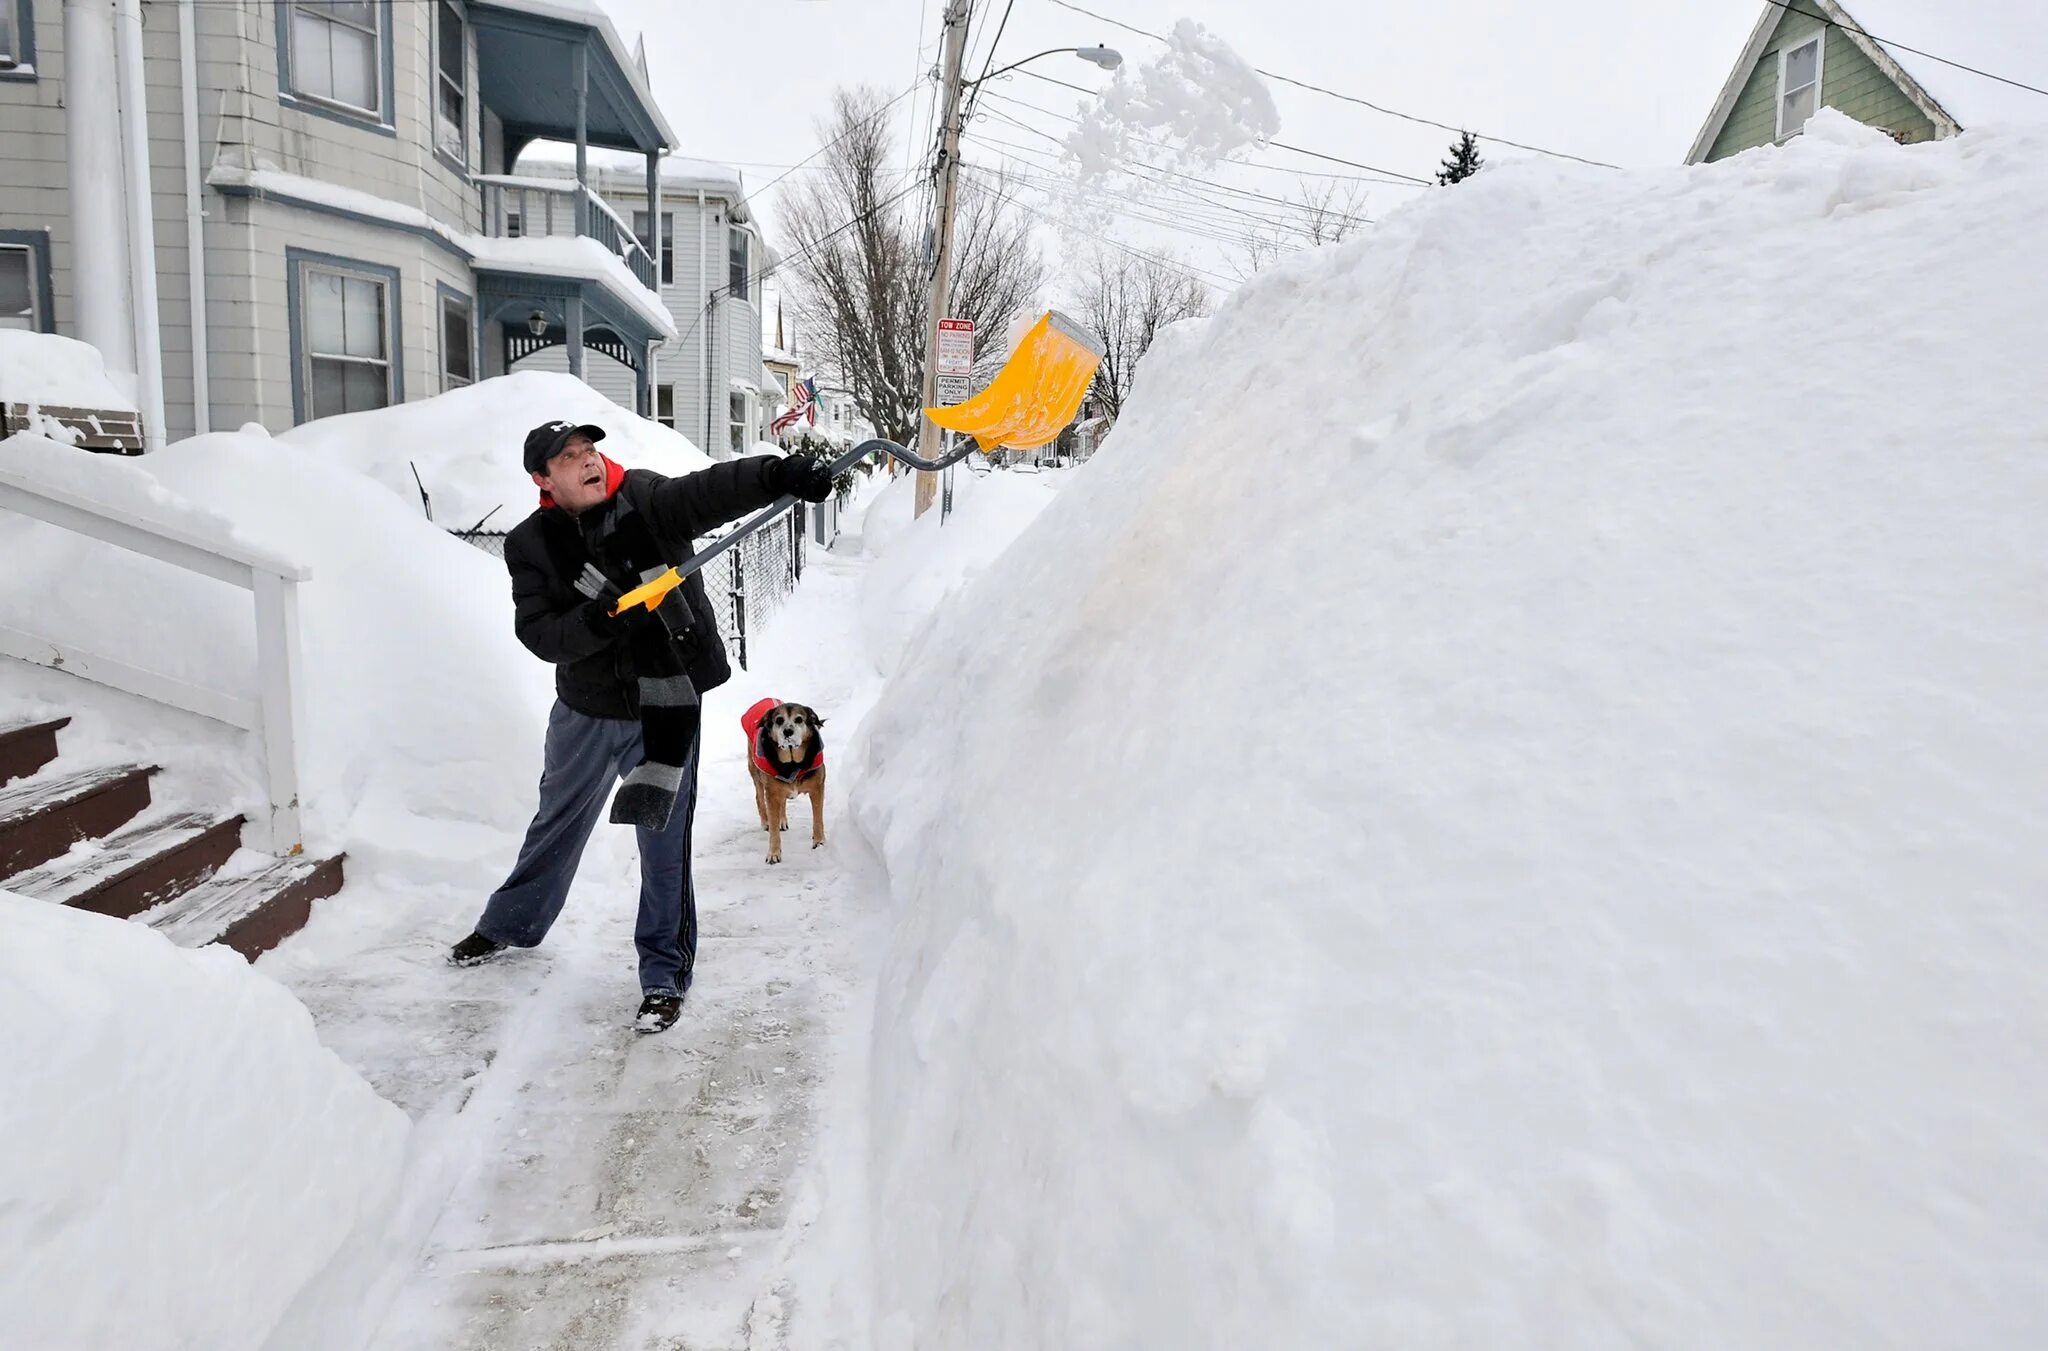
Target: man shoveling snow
[{"x": 627, "y": 683}]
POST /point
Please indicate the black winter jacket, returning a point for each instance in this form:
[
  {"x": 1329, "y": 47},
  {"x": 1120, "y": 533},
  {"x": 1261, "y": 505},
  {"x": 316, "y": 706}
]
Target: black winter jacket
[{"x": 545, "y": 553}]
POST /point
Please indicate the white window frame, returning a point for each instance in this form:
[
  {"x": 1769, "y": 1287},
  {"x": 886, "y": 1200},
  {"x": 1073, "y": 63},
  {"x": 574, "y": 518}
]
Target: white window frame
[
  {"x": 12, "y": 48},
  {"x": 745, "y": 289},
  {"x": 305, "y": 318},
  {"x": 31, "y": 270},
  {"x": 1819, "y": 41},
  {"x": 450, "y": 380},
  {"x": 665, "y": 265},
  {"x": 665, "y": 394},
  {"x": 292, "y": 11},
  {"x": 739, "y": 431},
  {"x": 459, "y": 149}
]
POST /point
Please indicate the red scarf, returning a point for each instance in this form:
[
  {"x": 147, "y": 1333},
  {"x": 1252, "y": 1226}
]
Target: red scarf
[{"x": 614, "y": 475}]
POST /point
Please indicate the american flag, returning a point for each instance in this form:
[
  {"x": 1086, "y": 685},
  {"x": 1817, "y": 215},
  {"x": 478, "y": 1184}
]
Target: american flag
[{"x": 803, "y": 403}]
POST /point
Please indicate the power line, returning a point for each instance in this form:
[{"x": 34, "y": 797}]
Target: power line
[
  {"x": 1196, "y": 194},
  {"x": 1353, "y": 98},
  {"x": 718, "y": 293},
  {"x": 990, "y": 59},
  {"x": 1398, "y": 181},
  {"x": 1851, "y": 28},
  {"x": 1145, "y": 254},
  {"x": 865, "y": 121},
  {"x": 1404, "y": 180}
]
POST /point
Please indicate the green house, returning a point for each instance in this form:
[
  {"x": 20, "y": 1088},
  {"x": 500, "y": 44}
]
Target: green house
[{"x": 1804, "y": 55}]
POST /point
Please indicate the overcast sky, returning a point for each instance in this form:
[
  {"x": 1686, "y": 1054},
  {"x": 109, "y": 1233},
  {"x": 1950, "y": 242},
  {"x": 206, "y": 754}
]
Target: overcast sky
[{"x": 747, "y": 83}]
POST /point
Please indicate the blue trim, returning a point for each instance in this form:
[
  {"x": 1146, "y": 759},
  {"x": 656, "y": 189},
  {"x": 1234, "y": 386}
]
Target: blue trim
[
  {"x": 295, "y": 262},
  {"x": 443, "y": 292},
  {"x": 384, "y": 125},
  {"x": 343, "y": 213},
  {"x": 23, "y": 70},
  {"x": 38, "y": 244}
]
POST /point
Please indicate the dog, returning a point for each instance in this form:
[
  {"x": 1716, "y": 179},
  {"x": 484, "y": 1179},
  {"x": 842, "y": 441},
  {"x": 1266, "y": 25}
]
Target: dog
[{"x": 785, "y": 756}]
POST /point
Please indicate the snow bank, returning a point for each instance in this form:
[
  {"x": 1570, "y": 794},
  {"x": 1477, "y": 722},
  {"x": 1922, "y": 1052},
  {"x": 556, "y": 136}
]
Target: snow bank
[
  {"x": 1539, "y": 846},
  {"x": 466, "y": 444},
  {"x": 180, "y": 1160},
  {"x": 919, "y": 563},
  {"x": 43, "y": 368}
]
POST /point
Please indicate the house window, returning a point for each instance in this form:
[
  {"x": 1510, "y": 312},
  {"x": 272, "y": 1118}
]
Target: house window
[
  {"x": 668, "y": 242},
  {"x": 335, "y": 52},
  {"x": 736, "y": 264},
  {"x": 18, "y": 284},
  {"x": 11, "y": 29},
  {"x": 736, "y": 414},
  {"x": 512, "y": 225},
  {"x": 347, "y": 343},
  {"x": 458, "y": 360},
  {"x": 1798, "y": 84},
  {"x": 451, "y": 83},
  {"x": 665, "y": 405}
]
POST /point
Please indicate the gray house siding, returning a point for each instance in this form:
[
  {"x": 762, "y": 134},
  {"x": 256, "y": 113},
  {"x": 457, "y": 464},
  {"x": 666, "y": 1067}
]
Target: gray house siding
[{"x": 244, "y": 121}]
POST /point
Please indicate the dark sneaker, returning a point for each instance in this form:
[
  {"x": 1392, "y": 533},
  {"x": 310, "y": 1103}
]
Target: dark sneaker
[
  {"x": 658, "y": 1013},
  {"x": 473, "y": 950}
]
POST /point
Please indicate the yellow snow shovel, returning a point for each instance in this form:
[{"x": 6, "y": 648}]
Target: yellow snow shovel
[
  {"x": 1036, "y": 393},
  {"x": 649, "y": 593}
]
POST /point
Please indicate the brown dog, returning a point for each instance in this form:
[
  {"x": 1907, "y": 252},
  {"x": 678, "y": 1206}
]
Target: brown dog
[{"x": 785, "y": 756}]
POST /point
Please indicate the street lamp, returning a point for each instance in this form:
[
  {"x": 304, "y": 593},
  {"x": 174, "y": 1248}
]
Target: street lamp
[
  {"x": 949, "y": 162},
  {"x": 1109, "y": 58}
]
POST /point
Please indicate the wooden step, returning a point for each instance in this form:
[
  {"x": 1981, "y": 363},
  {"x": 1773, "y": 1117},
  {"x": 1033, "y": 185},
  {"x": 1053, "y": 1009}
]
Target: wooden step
[
  {"x": 26, "y": 747},
  {"x": 250, "y": 912},
  {"x": 43, "y": 816},
  {"x": 142, "y": 865}
]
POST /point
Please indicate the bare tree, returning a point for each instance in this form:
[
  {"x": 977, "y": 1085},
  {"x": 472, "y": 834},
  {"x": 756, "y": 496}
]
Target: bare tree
[
  {"x": 1318, "y": 214},
  {"x": 1127, "y": 300},
  {"x": 859, "y": 269}
]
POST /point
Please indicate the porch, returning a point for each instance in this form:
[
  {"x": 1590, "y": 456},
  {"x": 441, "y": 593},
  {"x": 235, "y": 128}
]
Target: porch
[{"x": 559, "y": 267}]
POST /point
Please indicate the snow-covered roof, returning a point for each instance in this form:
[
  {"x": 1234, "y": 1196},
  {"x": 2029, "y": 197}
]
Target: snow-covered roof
[
  {"x": 618, "y": 170},
  {"x": 590, "y": 13},
  {"x": 551, "y": 256},
  {"x": 1993, "y": 35},
  {"x": 779, "y": 357}
]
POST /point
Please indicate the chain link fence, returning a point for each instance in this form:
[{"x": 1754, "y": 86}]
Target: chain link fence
[{"x": 747, "y": 584}]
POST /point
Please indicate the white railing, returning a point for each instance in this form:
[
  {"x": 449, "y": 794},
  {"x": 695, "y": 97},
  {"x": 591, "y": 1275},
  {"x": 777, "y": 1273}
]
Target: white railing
[
  {"x": 533, "y": 208},
  {"x": 274, "y": 714}
]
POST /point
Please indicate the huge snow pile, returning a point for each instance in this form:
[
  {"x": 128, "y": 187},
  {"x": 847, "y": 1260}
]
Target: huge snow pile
[
  {"x": 181, "y": 1162},
  {"x": 464, "y": 446},
  {"x": 1502, "y": 808},
  {"x": 921, "y": 560}
]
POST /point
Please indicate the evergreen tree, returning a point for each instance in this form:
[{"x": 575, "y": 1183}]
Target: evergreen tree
[{"x": 1464, "y": 161}]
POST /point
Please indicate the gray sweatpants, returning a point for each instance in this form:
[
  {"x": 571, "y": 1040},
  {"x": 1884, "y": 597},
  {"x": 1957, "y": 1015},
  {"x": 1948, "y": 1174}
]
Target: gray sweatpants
[{"x": 585, "y": 756}]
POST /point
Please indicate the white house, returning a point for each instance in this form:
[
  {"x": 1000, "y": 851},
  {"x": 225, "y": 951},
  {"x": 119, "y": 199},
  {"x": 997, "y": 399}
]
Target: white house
[
  {"x": 714, "y": 263},
  {"x": 319, "y": 192}
]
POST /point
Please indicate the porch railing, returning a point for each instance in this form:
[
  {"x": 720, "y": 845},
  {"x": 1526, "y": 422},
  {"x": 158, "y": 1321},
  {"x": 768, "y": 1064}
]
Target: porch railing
[
  {"x": 274, "y": 713},
  {"x": 535, "y": 208}
]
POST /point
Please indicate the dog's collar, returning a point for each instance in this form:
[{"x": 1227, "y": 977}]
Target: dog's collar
[{"x": 811, "y": 763}]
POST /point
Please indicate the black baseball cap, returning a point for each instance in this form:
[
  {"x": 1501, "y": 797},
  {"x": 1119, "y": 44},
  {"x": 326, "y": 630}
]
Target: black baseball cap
[{"x": 545, "y": 442}]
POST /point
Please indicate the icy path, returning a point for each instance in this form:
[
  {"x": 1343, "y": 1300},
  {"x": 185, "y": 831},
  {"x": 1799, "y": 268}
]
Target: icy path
[{"x": 581, "y": 1185}]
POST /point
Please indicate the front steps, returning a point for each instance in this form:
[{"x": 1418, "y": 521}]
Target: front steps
[{"x": 87, "y": 837}]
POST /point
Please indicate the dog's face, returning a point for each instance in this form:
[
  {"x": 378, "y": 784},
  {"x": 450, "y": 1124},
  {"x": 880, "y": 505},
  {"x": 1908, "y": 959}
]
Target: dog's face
[{"x": 789, "y": 729}]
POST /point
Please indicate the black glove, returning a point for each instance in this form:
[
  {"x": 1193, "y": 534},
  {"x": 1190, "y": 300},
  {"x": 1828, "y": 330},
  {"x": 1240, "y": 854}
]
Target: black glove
[
  {"x": 605, "y": 596},
  {"x": 800, "y": 476}
]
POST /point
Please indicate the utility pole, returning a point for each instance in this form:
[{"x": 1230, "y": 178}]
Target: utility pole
[{"x": 942, "y": 272}]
